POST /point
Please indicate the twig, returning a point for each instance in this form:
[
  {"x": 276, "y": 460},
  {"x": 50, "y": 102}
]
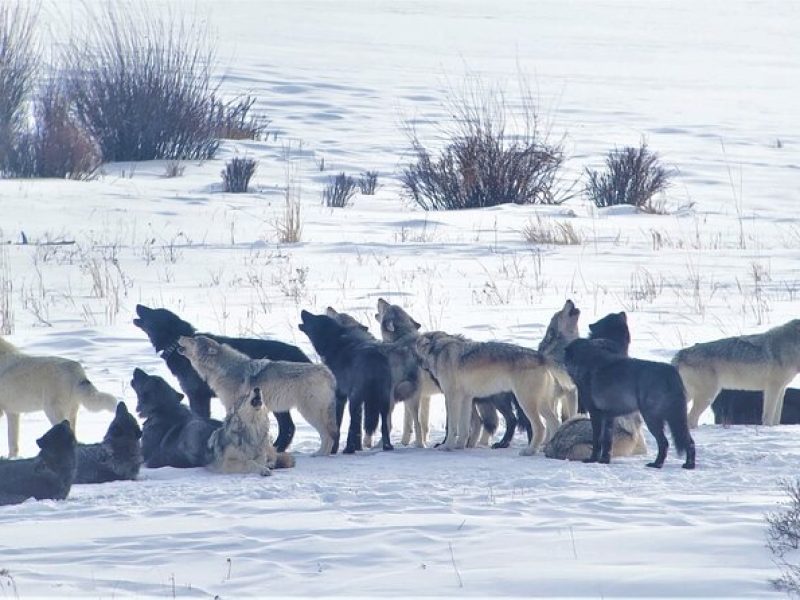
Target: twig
[{"x": 455, "y": 567}]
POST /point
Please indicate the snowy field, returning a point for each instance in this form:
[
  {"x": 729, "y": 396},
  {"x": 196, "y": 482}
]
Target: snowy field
[{"x": 713, "y": 86}]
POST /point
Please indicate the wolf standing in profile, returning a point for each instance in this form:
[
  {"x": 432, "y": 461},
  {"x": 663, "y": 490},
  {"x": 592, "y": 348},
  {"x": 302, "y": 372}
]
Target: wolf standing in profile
[
  {"x": 766, "y": 361},
  {"x": 309, "y": 388},
  {"x": 55, "y": 385}
]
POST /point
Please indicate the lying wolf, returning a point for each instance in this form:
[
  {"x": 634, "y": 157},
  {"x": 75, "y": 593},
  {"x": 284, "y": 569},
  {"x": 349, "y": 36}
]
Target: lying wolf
[
  {"x": 49, "y": 476},
  {"x": 309, "y": 388},
  {"x": 761, "y": 362},
  {"x": 55, "y": 385},
  {"x": 172, "y": 435},
  {"x": 466, "y": 369},
  {"x": 117, "y": 457},
  {"x": 243, "y": 444},
  {"x": 613, "y": 385},
  {"x": 573, "y": 440}
]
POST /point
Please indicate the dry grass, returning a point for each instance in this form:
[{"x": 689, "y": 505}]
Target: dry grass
[
  {"x": 6, "y": 289},
  {"x": 547, "y": 232}
]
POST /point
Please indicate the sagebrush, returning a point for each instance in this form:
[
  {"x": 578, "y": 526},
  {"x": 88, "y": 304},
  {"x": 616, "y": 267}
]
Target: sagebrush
[
  {"x": 339, "y": 191},
  {"x": 237, "y": 174},
  {"x": 783, "y": 539},
  {"x": 633, "y": 176}
]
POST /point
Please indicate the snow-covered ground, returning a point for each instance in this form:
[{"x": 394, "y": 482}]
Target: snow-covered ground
[{"x": 713, "y": 86}]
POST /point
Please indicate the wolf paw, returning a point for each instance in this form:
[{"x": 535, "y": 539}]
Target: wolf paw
[
  {"x": 688, "y": 466},
  {"x": 655, "y": 465},
  {"x": 406, "y": 440},
  {"x": 589, "y": 460},
  {"x": 265, "y": 472},
  {"x": 527, "y": 451}
]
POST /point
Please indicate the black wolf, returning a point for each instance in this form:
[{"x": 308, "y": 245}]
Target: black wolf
[
  {"x": 164, "y": 327},
  {"x": 612, "y": 385},
  {"x": 742, "y": 407},
  {"x": 173, "y": 435},
  {"x": 117, "y": 457},
  {"x": 49, "y": 476}
]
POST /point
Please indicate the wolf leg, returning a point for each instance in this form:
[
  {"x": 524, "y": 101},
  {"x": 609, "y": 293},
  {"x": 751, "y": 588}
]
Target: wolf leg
[
  {"x": 408, "y": 419},
  {"x": 419, "y": 434},
  {"x": 606, "y": 439},
  {"x": 773, "y": 404},
  {"x": 452, "y": 404},
  {"x": 354, "y": 432},
  {"x": 656, "y": 427},
  {"x": 596, "y": 419},
  {"x": 538, "y": 429},
  {"x": 13, "y": 434},
  {"x": 386, "y": 426},
  {"x": 200, "y": 403},
  {"x": 702, "y": 394},
  {"x": 475, "y": 427},
  {"x": 463, "y": 422},
  {"x": 286, "y": 430},
  {"x": 550, "y": 419},
  {"x": 424, "y": 418},
  {"x": 320, "y": 419},
  {"x": 507, "y": 410}
]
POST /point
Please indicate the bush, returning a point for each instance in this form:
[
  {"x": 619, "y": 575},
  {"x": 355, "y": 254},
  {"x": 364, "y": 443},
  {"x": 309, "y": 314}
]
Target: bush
[
  {"x": 632, "y": 176},
  {"x": 551, "y": 233},
  {"x": 19, "y": 59},
  {"x": 339, "y": 191},
  {"x": 368, "y": 183},
  {"x": 234, "y": 120},
  {"x": 141, "y": 85},
  {"x": 237, "y": 174},
  {"x": 482, "y": 162},
  {"x": 783, "y": 538}
]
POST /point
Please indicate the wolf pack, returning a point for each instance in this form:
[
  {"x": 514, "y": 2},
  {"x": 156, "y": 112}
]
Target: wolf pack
[{"x": 575, "y": 398}]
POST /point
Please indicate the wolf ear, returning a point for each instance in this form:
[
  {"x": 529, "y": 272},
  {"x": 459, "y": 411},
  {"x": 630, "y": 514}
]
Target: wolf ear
[
  {"x": 378, "y": 317},
  {"x": 121, "y": 409},
  {"x": 415, "y": 324},
  {"x": 331, "y": 312},
  {"x": 624, "y": 317},
  {"x": 382, "y": 304}
]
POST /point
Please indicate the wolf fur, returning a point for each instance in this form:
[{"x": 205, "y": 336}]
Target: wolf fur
[
  {"x": 613, "y": 385},
  {"x": 117, "y": 457},
  {"x": 573, "y": 440},
  {"x": 399, "y": 327},
  {"x": 243, "y": 444},
  {"x": 163, "y": 328},
  {"x": 55, "y": 385},
  {"x": 466, "y": 369},
  {"x": 49, "y": 476},
  {"x": 740, "y": 407},
  {"x": 172, "y": 435},
  {"x": 309, "y": 388},
  {"x": 764, "y": 362},
  {"x": 406, "y": 383},
  {"x": 613, "y": 327}
]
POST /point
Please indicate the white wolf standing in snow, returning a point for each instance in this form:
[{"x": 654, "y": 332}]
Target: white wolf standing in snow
[
  {"x": 765, "y": 361},
  {"x": 51, "y": 384}
]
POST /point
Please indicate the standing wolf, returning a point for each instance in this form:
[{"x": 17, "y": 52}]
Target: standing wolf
[
  {"x": 613, "y": 385},
  {"x": 309, "y": 388},
  {"x": 55, "y": 385},
  {"x": 766, "y": 361},
  {"x": 466, "y": 369}
]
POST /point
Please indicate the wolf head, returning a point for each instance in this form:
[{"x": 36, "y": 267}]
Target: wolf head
[
  {"x": 162, "y": 326},
  {"x": 344, "y": 319},
  {"x": 153, "y": 394},
  {"x": 613, "y": 327},
  {"x": 323, "y": 332},
  {"x": 562, "y": 330},
  {"x": 124, "y": 427},
  {"x": 58, "y": 444},
  {"x": 198, "y": 348},
  {"x": 394, "y": 321},
  {"x": 429, "y": 346}
]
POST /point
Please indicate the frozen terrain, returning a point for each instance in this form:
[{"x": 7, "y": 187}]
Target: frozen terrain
[{"x": 713, "y": 87}]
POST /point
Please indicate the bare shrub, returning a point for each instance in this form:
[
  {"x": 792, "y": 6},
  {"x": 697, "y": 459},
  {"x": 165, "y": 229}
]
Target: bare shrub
[
  {"x": 339, "y": 191},
  {"x": 491, "y": 156},
  {"x": 368, "y": 183},
  {"x": 235, "y": 120},
  {"x": 19, "y": 60},
  {"x": 173, "y": 168},
  {"x": 632, "y": 176},
  {"x": 289, "y": 226},
  {"x": 237, "y": 174},
  {"x": 6, "y": 289},
  {"x": 141, "y": 84},
  {"x": 551, "y": 233},
  {"x": 783, "y": 539}
]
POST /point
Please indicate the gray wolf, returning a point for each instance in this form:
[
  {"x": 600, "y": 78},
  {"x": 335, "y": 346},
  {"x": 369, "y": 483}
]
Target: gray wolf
[
  {"x": 466, "y": 369},
  {"x": 117, "y": 457},
  {"x": 397, "y": 326},
  {"x": 55, "y": 385},
  {"x": 163, "y": 328},
  {"x": 613, "y": 385},
  {"x": 764, "y": 362},
  {"x": 172, "y": 435},
  {"x": 573, "y": 440},
  {"x": 740, "y": 407},
  {"x": 242, "y": 444},
  {"x": 363, "y": 372},
  {"x": 309, "y": 388},
  {"x": 49, "y": 476},
  {"x": 404, "y": 369}
]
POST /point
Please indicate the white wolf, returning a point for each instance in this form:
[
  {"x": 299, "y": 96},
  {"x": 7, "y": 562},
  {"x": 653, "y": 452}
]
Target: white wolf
[
  {"x": 309, "y": 388},
  {"x": 765, "y": 361},
  {"x": 52, "y": 384}
]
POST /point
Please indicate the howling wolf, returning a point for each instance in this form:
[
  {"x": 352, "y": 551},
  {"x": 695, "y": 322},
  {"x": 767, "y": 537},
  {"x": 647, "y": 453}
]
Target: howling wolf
[
  {"x": 761, "y": 362},
  {"x": 52, "y": 384}
]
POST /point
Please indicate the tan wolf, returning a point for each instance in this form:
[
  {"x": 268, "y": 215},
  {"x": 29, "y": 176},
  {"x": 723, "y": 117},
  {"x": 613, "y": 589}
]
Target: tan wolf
[
  {"x": 309, "y": 388},
  {"x": 243, "y": 444},
  {"x": 764, "y": 361},
  {"x": 52, "y": 384},
  {"x": 466, "y": 369}
]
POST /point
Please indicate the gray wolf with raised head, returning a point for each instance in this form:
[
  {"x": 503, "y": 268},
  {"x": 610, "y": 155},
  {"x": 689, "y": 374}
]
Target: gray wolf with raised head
[
  {"x": 49, "y": 476},
  {"x": 309, "y": 388},
  {"x": 466, "y": 369},
  {"x": 117, "y": 457},
  {"x": 55, "y": 385},
  {"x": 243, "y": 444},
  {"x": 760, "y": 362},
  {"x": 613, "y": 385}
]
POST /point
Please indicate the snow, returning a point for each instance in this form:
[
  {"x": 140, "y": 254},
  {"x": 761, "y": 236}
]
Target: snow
[{"x": 712, "y": 86}]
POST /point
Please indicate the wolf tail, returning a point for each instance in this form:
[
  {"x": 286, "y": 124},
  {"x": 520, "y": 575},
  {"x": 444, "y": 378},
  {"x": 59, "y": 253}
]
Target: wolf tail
[
  {"x": 678, "y": 422},
  {"x": 371, "y": 417},
  {"x": 284, "y": 460},
  {"x": 93, "y": 399}
]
